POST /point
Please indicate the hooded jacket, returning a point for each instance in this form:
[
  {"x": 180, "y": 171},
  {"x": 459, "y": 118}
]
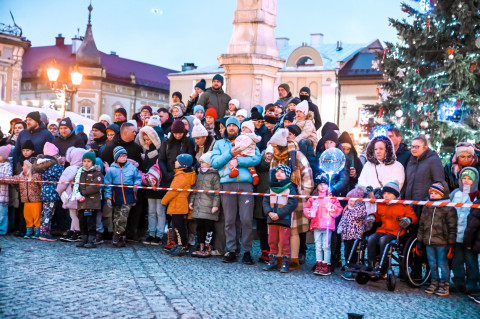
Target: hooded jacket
[
  {"x": 353, "y": 159},
  {"x": 329, "y": 127},
  {"x": 471, "y": 237},
  {"x": 389, "y": 214},
  {"x": 422, "y": 172},
  {"x": 461, "y": 195},
  {"x": 215, "y": 98},
  {"x": 38, "y": 136},
  {"x": 92, "y": 194},
  {"x": 203, "y": 202},
  {"x": 178, "y": 201},
  {"x": 122, "y": 175},
  {"x": 64, "y": 143},
  {"x": 49, "y": 170},
  {"x": 151, "y": 151},
  {"x": 75, "y": 157}
]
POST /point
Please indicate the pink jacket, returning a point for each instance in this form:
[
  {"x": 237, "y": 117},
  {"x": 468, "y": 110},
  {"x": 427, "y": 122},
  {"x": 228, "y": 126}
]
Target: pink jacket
[{"x": 323, "y": 219}]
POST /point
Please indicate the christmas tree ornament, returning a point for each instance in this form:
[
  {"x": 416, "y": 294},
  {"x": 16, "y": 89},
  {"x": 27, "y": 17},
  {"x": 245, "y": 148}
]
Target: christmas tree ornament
[
  {"x": 424, "y": 124},
  {"x": 380, "y": 111},
  {"x": 473, "y": 66},
  {"x": 398, "y": 113}
]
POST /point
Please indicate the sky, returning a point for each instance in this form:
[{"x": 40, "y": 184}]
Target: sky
[{"x": 169, "y": 33}]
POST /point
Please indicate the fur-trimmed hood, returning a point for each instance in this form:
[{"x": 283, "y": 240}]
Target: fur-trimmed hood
[
  {"x": 152, "y": 134},
  {"x": 390, "y": 156},
  {"x": 43, "y": 163},
  {"x": 74, "y": 156}
]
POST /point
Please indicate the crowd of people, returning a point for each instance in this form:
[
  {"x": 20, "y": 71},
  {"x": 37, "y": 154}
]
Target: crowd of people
[{"x": 212, "y": 143}]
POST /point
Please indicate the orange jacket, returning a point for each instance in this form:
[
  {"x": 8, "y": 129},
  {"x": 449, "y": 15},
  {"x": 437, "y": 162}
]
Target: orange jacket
[
  {"x": 178, "y": 201},
  {"x": 388, "y": 215}
]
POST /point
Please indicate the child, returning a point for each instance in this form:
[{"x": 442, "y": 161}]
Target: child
[
  {"x": 437, "y": 230},
  {"x": 5, "y": 171},
  {"x": 292, "y": 104},
  {"x": 176, "y": 111},
  {"x": 241, "y": 115},
  {"x": 233, "y": 107},
  {"x": 304, "y": 120},
  {"x": 471, "y": 238},
  {"x": 210, "y": 119},
  {"x": 278, "y": 211},
  {"x": 464, "y": 258},
  {"x": 27, "y": 152},
  {"x": 121, "y": 172},
  {"x": 247, "y": 142},
  {"x": 205, "y": 206},
  {"x": 178, "y": 202},
  {"x": 89, "y": 199},
  {"x": 50, "y": 171},
  {"x": 322, "y": 212},
  {"x": 389, "y": 215},
  {"x": 351, "y": 226},
  {"x": 198, "y": 111},
  {"x": 288, "y": 119}
]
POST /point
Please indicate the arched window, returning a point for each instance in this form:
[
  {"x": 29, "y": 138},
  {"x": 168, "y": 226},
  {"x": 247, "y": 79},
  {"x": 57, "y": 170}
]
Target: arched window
[{"x": 305, "y": 61}]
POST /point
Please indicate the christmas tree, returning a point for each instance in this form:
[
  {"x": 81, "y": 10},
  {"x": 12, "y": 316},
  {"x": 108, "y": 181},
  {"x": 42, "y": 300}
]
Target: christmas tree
[{"x": 431, "y": 74}]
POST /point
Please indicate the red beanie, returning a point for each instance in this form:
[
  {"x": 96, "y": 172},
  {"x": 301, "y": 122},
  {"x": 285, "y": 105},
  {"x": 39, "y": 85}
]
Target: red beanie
[
  {"x": 178, "y": 127},
  {"x": 211, "y": 112}
]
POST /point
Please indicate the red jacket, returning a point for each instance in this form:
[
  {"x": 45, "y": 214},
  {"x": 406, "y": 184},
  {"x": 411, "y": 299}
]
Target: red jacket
[{"x": 388, "y": 215}]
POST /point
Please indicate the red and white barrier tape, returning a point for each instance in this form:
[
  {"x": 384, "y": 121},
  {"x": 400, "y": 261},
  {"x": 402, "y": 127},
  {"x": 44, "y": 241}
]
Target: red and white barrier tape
[{"x": 368, "y": 200}]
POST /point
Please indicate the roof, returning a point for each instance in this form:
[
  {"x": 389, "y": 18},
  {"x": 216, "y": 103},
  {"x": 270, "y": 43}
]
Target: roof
[
  {"x": 117, "y": 68},
  {"x": 361, "y": 64}
]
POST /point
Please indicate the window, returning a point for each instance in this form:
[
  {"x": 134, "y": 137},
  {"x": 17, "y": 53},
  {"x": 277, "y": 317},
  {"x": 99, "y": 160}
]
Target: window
[
  {"x": 305, "y": 61},
  {"x": 87, "y": 112}
]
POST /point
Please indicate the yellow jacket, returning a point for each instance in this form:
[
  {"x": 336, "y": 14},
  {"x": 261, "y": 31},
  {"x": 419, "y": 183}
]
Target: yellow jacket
[{"x": 178, "y": 201}]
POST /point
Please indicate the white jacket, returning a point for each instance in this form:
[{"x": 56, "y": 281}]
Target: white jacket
[{"x": 386, "y": 174}]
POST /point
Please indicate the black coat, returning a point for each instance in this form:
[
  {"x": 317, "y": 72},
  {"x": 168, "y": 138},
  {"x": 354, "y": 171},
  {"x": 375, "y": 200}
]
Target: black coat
[
  {"x": 422, "y": 173},
  {"x": 151, "y": 158},
  {"x": 97, "y": 143},
  {"x": 134, "y": 151},
  {"x": 403, "y": 154},
  {"x": 167, "y": 125},
  {"x": 471, "y": 237},
  {"x": 169, "y": 150},
  {"x": 63, "y": 144},
  {"x": 263, "y": 186},
  {"x": 316, "y": 114}
]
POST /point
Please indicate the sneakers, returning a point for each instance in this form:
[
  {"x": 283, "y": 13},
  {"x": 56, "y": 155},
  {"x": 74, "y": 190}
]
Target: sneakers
[
  {"x": 285, "y": 262},
  {"x": 178, "y": 251},
  {"x": 90, "y": 244},
  {"x": 191, "y": 239},
  {"x": 348, "y": 276},
  {"x": 272, "y": 263},
  {"x": 215, "y": 253},
  {"x": 229, "y": 258},
  {"x": 318, "y": 268},
  {"x": 247, "y": 258},
  {"x": 99, "y": 238},
  {"x": 68, "y": 236},
  {"x": 327, "y": 269},
  {"x": 122, "y": 241},
  {"x": 169, "y": 246},
  {"x": 29, "y": 233},
  {"x": 443, "y": 289},
  {"x": 433, "y": 286},
  {"x": 47, "y": 237},
  {"x": 83, "y": 241},
  {"x": 77, "y": 236},
  {"x": 264, "y": 258},
  {"x": 148, "y": 240},
  {"x": 157, "y": 241}
]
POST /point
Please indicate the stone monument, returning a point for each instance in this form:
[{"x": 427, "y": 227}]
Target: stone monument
[{"x": 252, "y": 61}]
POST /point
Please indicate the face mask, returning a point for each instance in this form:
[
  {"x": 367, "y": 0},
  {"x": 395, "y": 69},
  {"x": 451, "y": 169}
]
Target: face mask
[{"x": 304, "y": 97}]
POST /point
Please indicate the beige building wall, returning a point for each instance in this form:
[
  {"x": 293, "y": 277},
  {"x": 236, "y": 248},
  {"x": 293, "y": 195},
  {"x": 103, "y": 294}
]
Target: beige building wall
[
  {"x": 12, "y": 49},
  {"x": 355, "y": 94}
]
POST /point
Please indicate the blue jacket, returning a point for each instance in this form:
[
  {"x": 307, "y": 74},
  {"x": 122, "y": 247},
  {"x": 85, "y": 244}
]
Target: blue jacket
[
  {"x": 38, "y": 136},
  {"x": 126, "y": 175},
  {"x": 221, "y": 155},
  {"x": 50, "y": 171}
]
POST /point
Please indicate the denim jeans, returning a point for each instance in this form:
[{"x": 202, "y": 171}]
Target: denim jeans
[
  {"x": 156, "y": 217},
  {"x": 465, "y": 258},
  {"x": 437, "y": 258},
  {"x": 323, "y": 250},
  {"x": 3, "y": 218}
]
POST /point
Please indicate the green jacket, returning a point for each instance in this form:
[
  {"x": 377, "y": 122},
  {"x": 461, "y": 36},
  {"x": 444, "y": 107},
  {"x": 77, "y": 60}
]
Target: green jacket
[
  {"x": 216, "y": 99},
  {"x": 203, "y": 202},
  {"x": 438, "y": 225}
]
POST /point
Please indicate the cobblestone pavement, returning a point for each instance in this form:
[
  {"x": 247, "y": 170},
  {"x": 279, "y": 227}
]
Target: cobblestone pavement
[{"x": 57, "y": 280}]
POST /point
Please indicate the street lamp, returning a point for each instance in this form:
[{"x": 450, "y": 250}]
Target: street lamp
[{"x": 64, "y": 93}]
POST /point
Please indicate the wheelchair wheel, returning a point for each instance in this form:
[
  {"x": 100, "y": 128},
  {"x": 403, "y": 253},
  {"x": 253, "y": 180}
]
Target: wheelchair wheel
[
  {"x": 415, "y": 269},
  {"x": 391, "y": 280},
  {"x": 361, "y": 278}
]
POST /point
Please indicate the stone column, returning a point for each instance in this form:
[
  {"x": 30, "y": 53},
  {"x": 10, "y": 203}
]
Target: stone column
[{"x": 252, "y": 62}]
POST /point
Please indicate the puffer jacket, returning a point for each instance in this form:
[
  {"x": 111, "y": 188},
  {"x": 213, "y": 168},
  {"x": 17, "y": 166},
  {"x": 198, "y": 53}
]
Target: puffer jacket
[
  {"x": 324, "y": 219},
  {"x": 50, "y": 171},
  {"x": 308, "y": 130},
  {"x": 92, "y": 194},
  {"x": 215, "y": 98},
  {"x": 388, "y": 214},
  {"x": 438, "y": 225},
  {"x": 203, "y": 202},
  {"x": 6, "y": 170},
  {"x": 126, "y": 175},
  {"x": 29, "y": 190},
  {"x": 283, "y": 206},
  {"x": 422, "y": 172},
  {"x": 471, "y": 239},
  {"x": 74, "y": 156},
  {"x": 178, "y": 201},
  {"x": 263, "y": 171},
  {"x": 221, "y": 155},
  {"x": 460, "y": 195}
]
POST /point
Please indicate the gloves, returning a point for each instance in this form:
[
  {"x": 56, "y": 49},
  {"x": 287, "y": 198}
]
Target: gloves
[
  {"x": 339, "y": 230},
  {"x": 450, "y": 251},
  {"x": 369, "y": 222},
  {"x": 405, "y": 222},
  {"x": 419, "y": 248},
  {"x": 109, "y": 203},
  {"x": 79, "y": 197}
]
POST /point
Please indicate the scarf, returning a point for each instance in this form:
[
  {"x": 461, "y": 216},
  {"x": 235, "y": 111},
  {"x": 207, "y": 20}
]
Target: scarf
[
  {"x": 76, "y": 186},
  {"x": 278, "y": 187},
  {"x": 283, "y": 156}
]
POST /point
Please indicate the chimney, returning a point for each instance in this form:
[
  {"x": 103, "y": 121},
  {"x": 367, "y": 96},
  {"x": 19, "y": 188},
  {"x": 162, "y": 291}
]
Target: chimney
[
  {"x": 339, "y": 45},
  {"x": 282, "y": 42},
  {"x": 113, "y": 53},
  {"x": 60, "y": 40},
  {"x": 188, "y": 67},
  {"x": 76, "y": 43},
  {"x": 316, "y": 39}
]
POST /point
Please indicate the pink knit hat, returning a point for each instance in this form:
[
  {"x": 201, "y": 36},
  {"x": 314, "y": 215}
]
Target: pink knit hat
[
  {"x": 50, "y": 149},
  {"x": 5, "y": 151}
]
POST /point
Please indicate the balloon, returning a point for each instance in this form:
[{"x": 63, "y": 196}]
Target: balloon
[{"x": 332, "y": 161}]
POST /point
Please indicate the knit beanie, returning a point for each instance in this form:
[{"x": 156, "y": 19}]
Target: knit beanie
[
  {"x": 50, "y": 149},
  {"x": 177, "y": 94},
  {"x": 233, "y": 120},
  {"x": 437, "y": 187},
  {"x": 256, "y": 116},
  {"x": 178, "y": 127},
  {"x": 198, "y": 108},
  {"x": 270, "y": 119},
  {"x": 35, "y": 116},
  {"x": 99, "y": 126},
  {"x": 206, "y": 158},
  {"x": 218, "y": 77},
  {"x": 113, "y": 127},
  {"x": 306, "y": 90},
  {"x": 242, "y": 112},
  {"x": 286, "y": 169},
  {"x": 269, "y": 149},
  {"x": 5, "y": 151},
  {"x": 105, "y": 117},
  {"x": 201, "y": 85},
  {"x": 235, "y": 102},
  {"x": 148, "y": 108},
  {"x": 154, "y": 121},
  {"x": 285, "y": 86},
  {"x": 117, "y": 151},
  {"x": 280, "y": 137},
  {"x": 290, "y": 116},
  {"x": 392, "y": 187},
  {"x": 52, "y": 122},
  {"x": 294, "y": 129},
  {"x": 211, "y": 112},
  {"x": 185, "y": 160},
  {"x": 198, "y": 129},
  {"x": 464, "y": 147},
  {"x": 66, "y": 122},
  {"x": 91, "y": 156},
  {"x": 357, "y": 192},
  {"x": 295, "y": 101},
  {"x": 28, "y": 145},
  {"x": 302, "y": 107},
  {"x": 470, "y": 173},
  {"x": 120, "y": 110},
  {"x": 249, "y": 125}
]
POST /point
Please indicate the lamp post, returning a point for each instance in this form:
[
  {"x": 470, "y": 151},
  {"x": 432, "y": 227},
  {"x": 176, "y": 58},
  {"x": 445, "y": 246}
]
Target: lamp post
[{"x": 64, "y": 93}]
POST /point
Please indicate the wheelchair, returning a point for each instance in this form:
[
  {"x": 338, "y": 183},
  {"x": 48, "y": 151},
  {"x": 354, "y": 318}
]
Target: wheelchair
[{"x": 399, "y": 253}]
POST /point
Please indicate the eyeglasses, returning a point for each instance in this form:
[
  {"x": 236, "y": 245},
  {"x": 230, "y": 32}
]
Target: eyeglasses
[{"x": 416, "y": 147}]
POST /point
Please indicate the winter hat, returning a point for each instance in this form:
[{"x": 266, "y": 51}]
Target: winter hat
[
  {"x": 464, "y": 147},
  {"x": 178, "y": 127},
  {"x": 269, "y": 149},
  {"x": 280, "y": 137},
  {"x": 120, "y": 110},
  {"x": 233, "y": 120},
  {"x": 290, "y": 116},
  {"x": 177, "y": 94},
  {"x": 249, "y": 125},
  {"x": 50, "y": 149},
  {"x": 206, "y": 158},
  {"x": 256, "y": 116},
  {"x": 52, "y": 122},
  {"x": 178, "y": 107},
  {"x": 286, "y": 169},
  {"x": 198, "y": 108},
  {"x": 134, "y": 123},
  {"x": 201, "y": 85},
  {"x": 154, "y": 121},
  {"x": 113, "y": 127},
  {"x": 148, "y": 108},
  {"x": 211, "y": 112},
  {"x": 294, "y": 129},
  {"x": 185, "y": 160},
  {"x": 242, "y": 112},
  {"x": 321, "y": 179},
  {"x": 66, "y": 122},
  {"x": 392, "y": 187},
  {"x": 257, "y": 108},
  {"x": 285, "y": 86},
  {"x": 470, "y": 173},
  {"x": 198, "y": 129},
  {"x": 295, "y": 101},
  {"x": 357, "y": 192},
  {"x": 330, "y": 136},
  {"x": 235, "y": 102},
  {"x": 270, "y": 119},
  {"x": 28, "y": 145},
  {"x": 44, "y": 118},
  {"x": 218, "y": 77},
  {"x": 117, "y": 151},
  {"x": 35, "y": 116},
  {"x": 437, "y": 187},
  {"x": 305, "y": 89},
  {"x": 5, "y": 151},
  {"x": 302, "y": 107},
  {"x": 105, "y": 117},
  {"x": 79, "y": 129},
  {"x": 91, "y": 156},
  {"x": 99, "y": 126}
]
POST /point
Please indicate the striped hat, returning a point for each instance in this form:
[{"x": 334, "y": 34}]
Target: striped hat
[
  {"x": 286, "y": 169},
  {"x": 117, "y": 151},
  {"x": 392, "y": 187},
  {"x": 437, "y": 187}
]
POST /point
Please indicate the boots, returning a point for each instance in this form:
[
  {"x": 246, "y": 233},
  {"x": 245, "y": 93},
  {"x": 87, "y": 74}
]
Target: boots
[
  {"x": 91, "y": 242},
  {"x": 294, "y": 264},
  {"x": 433, "y": 286},
  {"x": 121, "y": 241},
  {"x": 272, "y": 263},
  {"x": 37, "y": 233},
  {"x": 285, "y": 263},
  {"x": 443, "y": 289},
  {"x": 29, "y": 233},
  {"x": 115, "y": 239},
  {"x": 83, "y": 241}
]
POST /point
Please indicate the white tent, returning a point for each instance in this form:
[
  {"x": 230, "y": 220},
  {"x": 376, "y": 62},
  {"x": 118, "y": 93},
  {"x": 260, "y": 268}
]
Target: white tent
[{"x": 10, "y": 111}]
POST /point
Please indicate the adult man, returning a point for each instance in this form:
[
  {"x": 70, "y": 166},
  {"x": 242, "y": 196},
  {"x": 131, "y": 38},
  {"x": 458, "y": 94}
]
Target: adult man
[
  {"x": 35, "y": 132},
  {"x": 215, "y": 97},
  {"x": 120, "y": 116},
  {"x": 224, "y": 159},
  {"x": 305, "y": 96},
  {"x": 67, "y": 137},
  {"x": 401, "y": 149},
  {"x": 126, "y": 139},
  {"x": 284, "y": 95},
  {"x": 198, "y": 91},
  {"x": 166, "y": 118}
]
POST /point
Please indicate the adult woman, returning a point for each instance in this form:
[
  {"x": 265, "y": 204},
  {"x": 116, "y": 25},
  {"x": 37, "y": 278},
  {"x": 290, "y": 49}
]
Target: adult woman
[
  {"x": 16, "y": 128},
  {"x": 203, "y": 141},
  {"x": 464, "y": 157},
  {"x": 356, "y": 166}
]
